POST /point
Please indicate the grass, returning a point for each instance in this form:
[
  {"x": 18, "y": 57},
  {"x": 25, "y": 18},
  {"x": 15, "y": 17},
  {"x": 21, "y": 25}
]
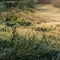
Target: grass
[
  {"x": 30, "y": 48},
  {"x": 25, "y": 36}
]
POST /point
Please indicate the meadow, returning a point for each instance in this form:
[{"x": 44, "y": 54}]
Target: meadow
[{"x": 30, "y": 34}]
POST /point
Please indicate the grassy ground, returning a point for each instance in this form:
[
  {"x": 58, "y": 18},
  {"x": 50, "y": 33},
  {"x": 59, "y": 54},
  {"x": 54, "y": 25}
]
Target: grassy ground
[{"x": 30, "y": 36}]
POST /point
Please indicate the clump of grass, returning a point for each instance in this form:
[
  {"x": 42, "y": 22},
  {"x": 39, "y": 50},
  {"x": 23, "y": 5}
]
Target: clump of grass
[
  {"x": 25, "y": 23},
  {"x": 5, "y": 33},
  {"x": 44, "y": 27},
  {"x": 22, "y": 5},
  {"x": 11, "y": 19}
]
